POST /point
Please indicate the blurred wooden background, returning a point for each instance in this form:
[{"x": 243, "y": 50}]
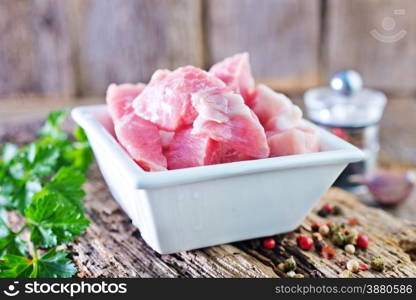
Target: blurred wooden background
[{"x": 77, "y": 47}]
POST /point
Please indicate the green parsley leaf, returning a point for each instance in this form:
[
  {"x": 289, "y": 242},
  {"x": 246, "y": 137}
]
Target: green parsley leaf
[
  {"x": 14, "y": 266},
  {"x": 67, "y": 185},
  {"x": 9, "y": 152},
  {"x": 10, "y": 242},
  {"x": 53, "y": 124},
  {"x": 53, "y": 221},
  {"x": 55, "y": 264}
]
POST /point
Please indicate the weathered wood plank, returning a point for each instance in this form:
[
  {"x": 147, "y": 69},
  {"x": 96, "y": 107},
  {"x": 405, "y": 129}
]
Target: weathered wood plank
[
  {"x": 386, "y": 60},
  {"x": 281, "y": 36},
  {"x": 35, "y": 48},
  {"x": 126, "y": 41}
]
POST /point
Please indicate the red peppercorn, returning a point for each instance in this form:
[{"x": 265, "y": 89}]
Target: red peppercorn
[
  {"x": 328, "y": 252},
  {"x": 353, "y": 222},
  {"x": 363, "y": 267},
  {"x": 269, "y": 243},
  {"x": 304, "y": 242},
  {"x": 362, "y": 241},
  {"x": 328, "y": 208}
]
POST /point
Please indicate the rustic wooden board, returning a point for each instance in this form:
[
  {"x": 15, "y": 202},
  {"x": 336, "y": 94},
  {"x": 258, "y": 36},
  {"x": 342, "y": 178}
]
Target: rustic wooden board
[
  {"x": 281, "y": 36},
  {"x": 35, "y": 48},
  {"x": 112, "y": 246},
  {"x": 386, "y": 65},
  {"x": 126, "y": 41}
]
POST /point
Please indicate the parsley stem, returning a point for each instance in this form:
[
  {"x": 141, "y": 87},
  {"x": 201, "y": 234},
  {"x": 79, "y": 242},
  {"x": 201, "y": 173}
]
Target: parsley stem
[{"x": 35, "y": 260}]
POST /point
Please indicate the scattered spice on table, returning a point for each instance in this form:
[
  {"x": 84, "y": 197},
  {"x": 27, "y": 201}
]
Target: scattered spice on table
[{"x": 377, "y": 264}]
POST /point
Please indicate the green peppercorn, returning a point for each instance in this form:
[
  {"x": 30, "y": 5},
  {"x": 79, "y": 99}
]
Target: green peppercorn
[
  {"x": 336, "y": 227},
  {"x": 290, "y": 264},
  {"x": 377, "y": 264},
  {"x": 338, "y": 239},
  {"x": 351, "y": 236},
  {"x": 337, "y": 210}
]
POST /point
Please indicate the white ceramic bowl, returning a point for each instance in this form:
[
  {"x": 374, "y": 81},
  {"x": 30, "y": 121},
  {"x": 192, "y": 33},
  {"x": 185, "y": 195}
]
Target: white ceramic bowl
[{"x": 203, "y": 206}]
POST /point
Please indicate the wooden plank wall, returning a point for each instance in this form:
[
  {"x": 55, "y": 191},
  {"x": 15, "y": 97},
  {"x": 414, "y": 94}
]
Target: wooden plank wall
[{"x": 78, "y": 47}]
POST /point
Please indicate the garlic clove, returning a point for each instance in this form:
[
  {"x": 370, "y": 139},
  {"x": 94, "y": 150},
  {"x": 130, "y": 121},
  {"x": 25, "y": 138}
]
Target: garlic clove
[{"x": 389, "y": 187}]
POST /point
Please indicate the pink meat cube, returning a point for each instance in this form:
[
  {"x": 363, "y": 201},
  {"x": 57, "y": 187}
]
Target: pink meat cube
[
  {"x": 225, "y": 118},
  {"x": 275, "y": 111},
  {"x": 298, "y": 140},
  {"x": 140, "y": 138},
  {"x": 166, "y": 100},
  {"x": 235, "y": 71},
  {"x": 189, "y": 150},
  {"x": 120, "y": 98}
]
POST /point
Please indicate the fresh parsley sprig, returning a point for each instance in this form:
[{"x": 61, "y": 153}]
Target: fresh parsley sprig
[{"x": 43, "y": 181}]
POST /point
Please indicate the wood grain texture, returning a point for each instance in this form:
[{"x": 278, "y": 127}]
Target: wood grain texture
[
  {"x": 350, "y": 44},
  {"x": 126, "y": 41},
  {"x": 35, "y": 48},
  {"x": 282, "y": 37},
  {"x": 112, "y": 246}
]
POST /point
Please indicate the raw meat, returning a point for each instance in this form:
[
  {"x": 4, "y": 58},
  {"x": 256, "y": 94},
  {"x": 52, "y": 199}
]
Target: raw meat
[
  {"x": 189, "y": 150},
  {"x": 226, "y": 119},
  {"x": 166, "y": 100},
  {"x": 236, "y": 73},
  {"x": 298, "y": 140},
  {"x": 275, "y": 111},
  {"x": 225, "y": 154},
  {"x": 140, "y": 138},
  {"x": 189, "y": 118},
  {"x": 120, "y": 98}
]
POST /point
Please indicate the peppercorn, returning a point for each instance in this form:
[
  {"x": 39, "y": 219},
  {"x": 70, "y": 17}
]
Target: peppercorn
[
  {"x": 338, "y": 239},
  {"x": 328, "y": 208},
  {"x": 350, "y": 249},
  {"x": 341, "y": 261},
  {"x": 377, "y": 264},
  {"x": 315, "y": 227},
  {"x": 351, "y": 236},
  {"x": 304, "y": 242},
  {"x": 337, "y": 210},
  {"x": 319, "y": 245},
  {"x": 353, "y": 266},
  {"x": 269, "y": 243},
  {"x": 362, "y": 241},
  {"x": 336, "y": 227},
  {"x": 322, "y": 213},
  {"x": 317, "y": 236},
  {"x": 291, "y": 274},
  {"x": 328, "y": 252},
  {"x": 290, "y": 264},
  {"x": 353, "y": 222},
  {"x": 324, "y": 230},
  {"x": 363, "y": 267}
]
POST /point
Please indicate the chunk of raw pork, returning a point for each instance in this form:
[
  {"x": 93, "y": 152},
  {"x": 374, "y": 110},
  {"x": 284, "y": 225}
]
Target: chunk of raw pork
[
  {"x": 166, "y": 100},
  {"x": 120, "y": 98},
  {"x": 275, "y": 111},
  {"x": 189, "y": 150},
  {"x": 298, "y": 140},
  {"x": 236, "y": 73},
  {"x": 226, "y": 119},
  {"x": 139, "y": 137}
]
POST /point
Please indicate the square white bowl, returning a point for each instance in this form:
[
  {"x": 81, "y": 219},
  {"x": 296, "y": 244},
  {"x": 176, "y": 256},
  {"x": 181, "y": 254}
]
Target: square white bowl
[{"x": 197, "y": 207}]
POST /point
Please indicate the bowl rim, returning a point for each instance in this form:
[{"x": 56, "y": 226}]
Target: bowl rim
[{"x": 343, "y": 153}]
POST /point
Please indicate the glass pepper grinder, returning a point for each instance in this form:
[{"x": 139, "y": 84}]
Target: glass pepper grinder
[{"x": 352, "y": 113}]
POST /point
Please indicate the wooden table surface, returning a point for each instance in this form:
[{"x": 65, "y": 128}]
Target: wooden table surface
[{"x": 112, "y": 246}]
